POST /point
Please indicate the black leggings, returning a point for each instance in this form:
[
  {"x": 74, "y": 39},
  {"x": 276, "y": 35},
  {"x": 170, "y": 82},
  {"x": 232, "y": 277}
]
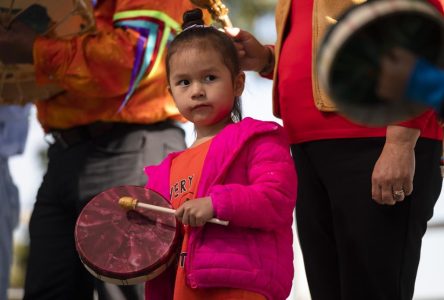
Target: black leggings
[{"x": 354, "y": 248}]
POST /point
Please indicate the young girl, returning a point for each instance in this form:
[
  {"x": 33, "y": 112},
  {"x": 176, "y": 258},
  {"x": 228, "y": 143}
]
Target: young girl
[{"x": 238, "y": 171}]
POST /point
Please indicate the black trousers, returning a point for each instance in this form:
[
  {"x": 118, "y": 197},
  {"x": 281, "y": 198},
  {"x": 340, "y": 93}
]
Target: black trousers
[
  {"x": 75, "y": 174},
  {"x": 354, "y": 248}
]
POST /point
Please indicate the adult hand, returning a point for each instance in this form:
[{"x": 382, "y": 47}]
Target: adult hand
[
  {"x": 252, "y": 54},
  {"x": 392, "y": 177},
  {"x": 16, "y": 44},
  {"x": 395, "y": 72},
  {"x": 195, "y": 212}
]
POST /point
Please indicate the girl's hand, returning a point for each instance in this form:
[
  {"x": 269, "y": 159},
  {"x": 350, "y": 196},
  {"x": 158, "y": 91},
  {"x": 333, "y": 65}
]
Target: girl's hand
[{"x": 195, "y": 212}]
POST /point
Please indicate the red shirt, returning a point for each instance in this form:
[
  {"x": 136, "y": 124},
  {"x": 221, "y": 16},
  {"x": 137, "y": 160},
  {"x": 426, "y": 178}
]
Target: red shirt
[
  {"x": 185, "y": 175},
  {"x": 302, "y": 120}
]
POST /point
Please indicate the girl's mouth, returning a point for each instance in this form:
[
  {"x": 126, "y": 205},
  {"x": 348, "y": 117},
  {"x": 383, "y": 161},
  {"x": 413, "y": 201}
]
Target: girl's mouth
[{"x": 200, "y": 106}]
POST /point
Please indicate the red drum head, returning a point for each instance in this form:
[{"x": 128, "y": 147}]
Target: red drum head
[{"x": 126, "y": 247}]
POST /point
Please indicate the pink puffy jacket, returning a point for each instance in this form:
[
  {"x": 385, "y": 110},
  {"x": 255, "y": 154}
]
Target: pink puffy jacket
[{"x": 250, "y": 176}]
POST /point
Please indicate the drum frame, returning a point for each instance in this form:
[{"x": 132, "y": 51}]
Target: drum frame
[
  {"x": 133, "y": 280},
  {"x": 168, "y": 257},
  {"x": 361, "y": 16}
]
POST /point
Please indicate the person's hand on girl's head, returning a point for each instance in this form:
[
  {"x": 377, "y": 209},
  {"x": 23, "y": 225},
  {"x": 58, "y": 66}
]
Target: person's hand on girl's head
[
  {"x": 195, "y": 212},
  {"x": 252, "y": 54},
  {"x": 395, "y": 71}
]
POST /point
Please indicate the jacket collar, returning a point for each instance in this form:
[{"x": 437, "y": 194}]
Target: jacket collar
[{"x": 224, "y": 148}]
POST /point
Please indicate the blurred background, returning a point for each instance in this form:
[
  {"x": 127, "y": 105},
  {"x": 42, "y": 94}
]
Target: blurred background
[{"x": 256, "y": 16}]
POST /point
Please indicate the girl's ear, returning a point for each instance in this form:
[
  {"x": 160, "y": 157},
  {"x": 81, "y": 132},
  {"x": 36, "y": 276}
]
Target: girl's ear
[
  {"x": 239, "y": 84},
  {"x": 169, "y": 90}
]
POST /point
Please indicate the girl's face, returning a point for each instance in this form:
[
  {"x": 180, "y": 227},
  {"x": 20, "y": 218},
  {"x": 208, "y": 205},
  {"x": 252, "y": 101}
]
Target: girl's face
[{"x": 202, "y": 86}]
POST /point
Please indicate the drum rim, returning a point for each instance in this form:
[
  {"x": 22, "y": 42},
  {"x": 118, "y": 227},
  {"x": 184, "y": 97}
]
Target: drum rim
[
  {"x": 131, "y": 280},
  {"x": 358, "y": 18},
  {"x": 134, "y": 274}
]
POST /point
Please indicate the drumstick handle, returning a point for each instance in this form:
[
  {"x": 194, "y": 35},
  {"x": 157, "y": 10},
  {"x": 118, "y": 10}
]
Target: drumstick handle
[
  {"x": 172, "y": 211},
  {"x": 131, "y": 203},
  {"x": 155, "y": 208},
  {"x": 225, "y": 20}
]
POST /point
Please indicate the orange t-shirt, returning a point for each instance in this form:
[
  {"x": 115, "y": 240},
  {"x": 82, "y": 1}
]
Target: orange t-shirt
[{"x": 185, "y": 175}]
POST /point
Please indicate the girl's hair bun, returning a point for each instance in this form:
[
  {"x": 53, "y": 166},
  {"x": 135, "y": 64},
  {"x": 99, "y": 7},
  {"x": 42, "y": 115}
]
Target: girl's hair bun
[{"x": 192, "y": 17}]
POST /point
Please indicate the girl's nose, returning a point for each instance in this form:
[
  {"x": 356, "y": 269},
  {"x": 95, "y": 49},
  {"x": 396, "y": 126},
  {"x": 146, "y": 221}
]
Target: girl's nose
[{"x": 198, "y": 91}]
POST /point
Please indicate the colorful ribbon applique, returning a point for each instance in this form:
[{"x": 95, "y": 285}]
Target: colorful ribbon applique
[{"x": 156, "y": 30}]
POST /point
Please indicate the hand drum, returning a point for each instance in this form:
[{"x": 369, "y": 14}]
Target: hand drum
[
  {"x": 126, "y": 246},
  {"x": 349, "y": 57}
]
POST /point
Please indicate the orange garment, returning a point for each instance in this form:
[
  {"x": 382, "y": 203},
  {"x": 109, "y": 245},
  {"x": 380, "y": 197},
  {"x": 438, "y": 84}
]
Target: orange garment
[
  {"x": 95, "y": 69},
  {"x": 186, "y": 170}
]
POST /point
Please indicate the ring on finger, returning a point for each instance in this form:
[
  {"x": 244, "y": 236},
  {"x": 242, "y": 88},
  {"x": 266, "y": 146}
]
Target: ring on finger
[{"x": 398, "y": 194}]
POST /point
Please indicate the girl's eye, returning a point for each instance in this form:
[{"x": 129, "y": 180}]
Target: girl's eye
[
  {"x": 183, "y": 82},
  {"x": 210, "y": 78}
]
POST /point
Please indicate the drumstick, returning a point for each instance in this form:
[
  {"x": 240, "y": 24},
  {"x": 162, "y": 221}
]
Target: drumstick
[
  {"x": 132, "y": 203},
  {"x": 217, "y": 9},
  {"x": 8, "y": 17}
]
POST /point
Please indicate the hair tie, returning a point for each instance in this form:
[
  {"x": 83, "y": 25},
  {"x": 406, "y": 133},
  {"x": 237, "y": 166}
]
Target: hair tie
[{"x": 194, "y": 26}]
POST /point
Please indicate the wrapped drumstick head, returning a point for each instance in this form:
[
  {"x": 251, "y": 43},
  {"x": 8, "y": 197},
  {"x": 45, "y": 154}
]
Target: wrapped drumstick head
[
  {"x": 128, "y": 203},
  {"x": 217, "y": 9}
]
